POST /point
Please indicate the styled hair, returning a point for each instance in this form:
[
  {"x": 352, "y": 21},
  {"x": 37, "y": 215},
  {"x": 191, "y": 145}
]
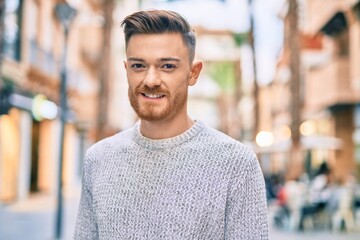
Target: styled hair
[{"x": 159, "y": 21}]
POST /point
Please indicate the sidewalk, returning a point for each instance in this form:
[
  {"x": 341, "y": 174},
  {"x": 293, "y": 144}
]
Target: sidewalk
[
  {"x": 34, "y": 218},
  {"x": 309, "y": 234},
  {"x": 276, "y": 234}
]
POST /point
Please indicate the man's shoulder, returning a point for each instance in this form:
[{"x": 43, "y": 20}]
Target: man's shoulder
[
  {"x": 218, "y": 139},
  {"x": 225, "y": 150},
  {"x": 111, "y": 143}
]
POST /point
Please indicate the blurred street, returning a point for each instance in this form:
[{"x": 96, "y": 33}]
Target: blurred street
[
  {"x": 278, "y": 235},
  {"x": 279, "y": 76},
  {"x": 308, "y": 234},
  {"x": 34, "y": 218}
]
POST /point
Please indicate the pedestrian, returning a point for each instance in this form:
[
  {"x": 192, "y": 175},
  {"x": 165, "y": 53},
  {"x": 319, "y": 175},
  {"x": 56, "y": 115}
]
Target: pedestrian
[{"x": 169, "y": 176}]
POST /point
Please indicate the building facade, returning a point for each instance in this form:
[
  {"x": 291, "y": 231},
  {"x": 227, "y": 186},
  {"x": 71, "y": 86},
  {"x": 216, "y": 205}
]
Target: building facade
[
  {"x": 32, "y": 66},
  {"x": 329, "y": 92},
  {"x": 337, "y": 77}
]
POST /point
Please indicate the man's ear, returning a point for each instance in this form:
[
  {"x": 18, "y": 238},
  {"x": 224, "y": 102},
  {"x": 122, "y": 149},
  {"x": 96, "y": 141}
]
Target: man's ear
[
  {"x": 195, "y": 72},
  {"x": 125, "y": 65}
]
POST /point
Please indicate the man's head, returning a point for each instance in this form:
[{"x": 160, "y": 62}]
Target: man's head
[
  {"x": 157, "y": 22},
  {"x": 160, "y": 64}
]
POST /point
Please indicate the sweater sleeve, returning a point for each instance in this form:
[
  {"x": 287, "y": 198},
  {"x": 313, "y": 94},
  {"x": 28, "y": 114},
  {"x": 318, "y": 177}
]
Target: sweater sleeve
[
  {"x": 246, "y": 211},
  {"x": 86, "y": 225}
]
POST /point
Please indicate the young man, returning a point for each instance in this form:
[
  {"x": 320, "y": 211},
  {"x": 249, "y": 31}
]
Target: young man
[{"x": 168, "y": 177}]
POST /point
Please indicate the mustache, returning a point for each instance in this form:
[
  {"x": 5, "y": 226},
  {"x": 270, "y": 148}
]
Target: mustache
[{"x": 149, "y": 90}]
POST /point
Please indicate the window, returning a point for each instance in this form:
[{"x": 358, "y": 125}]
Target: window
[{"x": 12, "y": 36}]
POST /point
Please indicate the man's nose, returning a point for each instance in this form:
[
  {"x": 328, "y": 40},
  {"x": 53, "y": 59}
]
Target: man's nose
[{"x": 152, "y": 78}]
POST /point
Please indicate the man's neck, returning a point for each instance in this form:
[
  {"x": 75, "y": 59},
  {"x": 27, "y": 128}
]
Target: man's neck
[{"x": 165, "y": 128}]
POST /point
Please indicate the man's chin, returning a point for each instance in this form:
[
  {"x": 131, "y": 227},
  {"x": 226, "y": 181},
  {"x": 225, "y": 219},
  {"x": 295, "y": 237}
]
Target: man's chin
[{"x": 152, "y": 116}]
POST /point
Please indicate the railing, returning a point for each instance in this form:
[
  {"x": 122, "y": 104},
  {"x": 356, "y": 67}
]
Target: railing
[
  {"x": 43, "y": 59},
  {"x": 329, "y": 85},
  {"x": 46, "y": 62}
]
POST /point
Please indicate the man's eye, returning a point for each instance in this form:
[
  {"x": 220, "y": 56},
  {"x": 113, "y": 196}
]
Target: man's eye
[
  {"x": 168, "y": 66},
  {"x": 137, "y": 65}
]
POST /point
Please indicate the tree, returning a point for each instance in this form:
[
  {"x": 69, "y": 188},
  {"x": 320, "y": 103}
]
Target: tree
[
  {"x": 256, "y": 86},
  {"x": 293, "y": 45},
  {"x": 102, "y": 117}
]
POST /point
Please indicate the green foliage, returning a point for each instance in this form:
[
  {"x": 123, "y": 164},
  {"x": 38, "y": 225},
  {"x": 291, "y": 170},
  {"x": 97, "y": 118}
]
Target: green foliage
[
  {"x": 240, "y": 38},
  {"x": 224, "y": 75}
]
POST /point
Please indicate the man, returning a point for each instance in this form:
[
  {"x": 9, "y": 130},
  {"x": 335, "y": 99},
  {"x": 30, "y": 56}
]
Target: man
[{"x": 168, "y": 177}]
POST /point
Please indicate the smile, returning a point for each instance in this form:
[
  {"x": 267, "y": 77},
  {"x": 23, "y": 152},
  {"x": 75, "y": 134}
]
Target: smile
[{"x": 153, "y": 96}]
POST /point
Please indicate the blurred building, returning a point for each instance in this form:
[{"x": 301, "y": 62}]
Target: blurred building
[
  {"x": 30, "y": 131},
  {"x": 216, "y": 96},
  {"x": 329, "y": 91},
  {"x": 333, "y": 84}
]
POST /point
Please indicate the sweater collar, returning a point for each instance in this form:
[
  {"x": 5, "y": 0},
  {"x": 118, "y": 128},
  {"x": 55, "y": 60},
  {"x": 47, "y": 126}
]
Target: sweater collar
[{"x": 197, "y": 127}]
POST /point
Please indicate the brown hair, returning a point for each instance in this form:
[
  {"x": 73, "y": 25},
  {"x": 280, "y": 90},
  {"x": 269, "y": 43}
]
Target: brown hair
[{"x": 160, "y": 21}]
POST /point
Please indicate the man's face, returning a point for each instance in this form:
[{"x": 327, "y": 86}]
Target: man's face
[{"x": 158, "y": 73}]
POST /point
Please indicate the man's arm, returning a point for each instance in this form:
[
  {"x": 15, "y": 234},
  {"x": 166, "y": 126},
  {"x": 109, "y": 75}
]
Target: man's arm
[
  {"x": 86, "y": 225},
  {"x": 246, "y": 212}
]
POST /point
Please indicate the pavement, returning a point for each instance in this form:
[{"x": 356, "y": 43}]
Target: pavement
[
  {"x": 312, "y": 235},
  {"x": 34, "y": 219},
  {"x": 309, "y": 233},
  {"x": 281, "y": 234}
]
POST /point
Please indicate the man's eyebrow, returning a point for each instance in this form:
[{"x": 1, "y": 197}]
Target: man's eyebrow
[
  {"x": 168, "y": 59},
  {"x": 136, "y": 59}
]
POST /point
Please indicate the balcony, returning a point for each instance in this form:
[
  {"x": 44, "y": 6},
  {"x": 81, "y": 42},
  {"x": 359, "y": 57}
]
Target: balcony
[
  {"x": 43, "y": 60},
  {"x": 317, "y": 19},
  {"x": 329, "y": 85}
]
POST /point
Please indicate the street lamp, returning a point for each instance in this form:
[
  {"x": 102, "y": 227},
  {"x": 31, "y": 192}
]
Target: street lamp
[{"x": 65, "y": 14}]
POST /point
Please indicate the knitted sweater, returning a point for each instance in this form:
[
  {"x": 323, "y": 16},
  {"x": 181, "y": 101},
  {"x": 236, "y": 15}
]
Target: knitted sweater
[{"x": 201, "y": 184}]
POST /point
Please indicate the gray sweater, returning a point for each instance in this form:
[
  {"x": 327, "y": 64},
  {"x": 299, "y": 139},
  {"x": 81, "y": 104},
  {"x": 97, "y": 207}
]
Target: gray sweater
[{"x": 201, "y": 184}]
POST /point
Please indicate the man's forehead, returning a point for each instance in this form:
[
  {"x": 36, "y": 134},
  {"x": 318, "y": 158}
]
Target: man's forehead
[
  {"x": 142, "y": 37},
  {"x": 156, "y": 46}
]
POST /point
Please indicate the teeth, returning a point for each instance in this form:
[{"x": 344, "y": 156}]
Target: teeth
[{"x": 153, "y": 95}]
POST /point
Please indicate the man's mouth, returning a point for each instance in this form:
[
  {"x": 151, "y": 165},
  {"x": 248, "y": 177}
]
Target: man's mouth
[{"x": 153, "y": 96}]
